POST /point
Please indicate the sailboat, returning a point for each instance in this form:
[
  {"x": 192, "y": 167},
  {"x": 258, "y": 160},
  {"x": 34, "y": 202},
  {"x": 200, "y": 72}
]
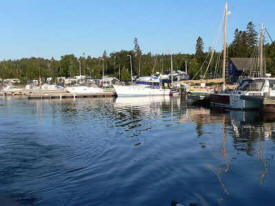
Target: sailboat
[
  {"x": 145, "y": 86},
  {"x": 202, "y": 92},
  {"x": 150, "y": 86},
  {"x": 251, "y": 91}
]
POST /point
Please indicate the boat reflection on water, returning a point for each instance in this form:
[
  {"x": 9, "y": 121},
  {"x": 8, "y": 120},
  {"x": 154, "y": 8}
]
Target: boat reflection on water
[
  {"x": 251, "y": 129},
  {"x": 249, "y": 126},
  {"x": 148, "y": 105},
  {"x": 246, "y": 131},
  {"x": 176, "y": 150},
  {"x": 140, "y": 101}
]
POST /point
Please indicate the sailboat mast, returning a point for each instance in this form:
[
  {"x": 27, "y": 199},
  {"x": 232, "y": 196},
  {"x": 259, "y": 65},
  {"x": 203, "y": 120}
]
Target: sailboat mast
[
  {"x": 171, "y": 68},
  {"x": 186, "y": 69},
  {"x": 261, "y": 50},
  {"x": 224, "y": 43}
]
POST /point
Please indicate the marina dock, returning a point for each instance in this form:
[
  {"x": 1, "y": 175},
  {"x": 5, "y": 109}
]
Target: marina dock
[
  {"x": 54, "y": 94},
  {"x": 269, "y": 104}
]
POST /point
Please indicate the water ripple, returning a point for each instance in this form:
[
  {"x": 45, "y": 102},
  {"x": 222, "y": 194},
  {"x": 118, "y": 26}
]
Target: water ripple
[{"x": 143, "y": 151}]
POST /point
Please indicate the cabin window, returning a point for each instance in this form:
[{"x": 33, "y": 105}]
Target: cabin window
[
  {"x": 272, "y": 84},
  {"x": 256, "y": 85}
]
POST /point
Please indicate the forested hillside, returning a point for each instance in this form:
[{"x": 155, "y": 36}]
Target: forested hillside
[{"x": 244, "y": 44}]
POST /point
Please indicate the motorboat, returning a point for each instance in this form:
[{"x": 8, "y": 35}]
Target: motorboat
[
  {"x": 83, "y": 90},
  {"x": 11, "y": 88},
  {"x": 199, "y": 93},
  {"x": 51, "y": 87},
  {"x": 248, "y": 95}
]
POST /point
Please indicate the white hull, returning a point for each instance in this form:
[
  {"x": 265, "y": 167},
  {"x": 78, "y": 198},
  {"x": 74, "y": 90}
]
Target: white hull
[
  {"x": 133, "y": 91},
  {"x": 84, "y": 90}
]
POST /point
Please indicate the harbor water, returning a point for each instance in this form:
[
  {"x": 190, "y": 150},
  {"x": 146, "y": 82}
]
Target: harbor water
[{"x": 133, "y": 151}]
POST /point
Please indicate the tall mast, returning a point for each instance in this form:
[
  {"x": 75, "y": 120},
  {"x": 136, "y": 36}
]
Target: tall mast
[
  {"x": 261, "y": 50},
  {"x": 171, "y": 68},
  {"x": 102, "y": 72},
  {"x": 79, "y": 65},
  {"x": 224, "y": 43}
]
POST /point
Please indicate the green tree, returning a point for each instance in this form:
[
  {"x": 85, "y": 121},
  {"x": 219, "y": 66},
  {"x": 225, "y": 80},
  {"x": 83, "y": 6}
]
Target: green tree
[
  {"x": 194, "y": 67},
  {"x": 125, "y": 75},
  {"x": 239, "y": 47},
  {"x": 252, "y": 37},
  {"x": 199, "y": 50},
  {"x": 270, "y": 58},
  {"x": 69, "y": 66}
]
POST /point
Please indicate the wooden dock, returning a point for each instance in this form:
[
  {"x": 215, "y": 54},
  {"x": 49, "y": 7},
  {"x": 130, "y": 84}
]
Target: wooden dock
[
  {"x": 69, "y": 95},
  {"x": 206, "y": 81},
  {"x": 44, "y": 94},
  {"x": 269, "y": 105}
]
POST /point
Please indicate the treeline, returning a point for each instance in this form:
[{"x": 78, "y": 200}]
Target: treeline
[
  {"x": 246, "y": 45},
  {"x": 117, "y": 64}
]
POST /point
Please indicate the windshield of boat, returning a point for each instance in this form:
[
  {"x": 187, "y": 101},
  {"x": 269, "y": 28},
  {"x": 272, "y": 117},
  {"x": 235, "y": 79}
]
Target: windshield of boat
[
  {"x": 272, "y": 84},
  {"x": 252, "y": 85},
  {"x": 244, "y": 84}
]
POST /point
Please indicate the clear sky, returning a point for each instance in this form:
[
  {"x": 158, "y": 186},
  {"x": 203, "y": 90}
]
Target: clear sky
[{"x": 52, "y": 28}]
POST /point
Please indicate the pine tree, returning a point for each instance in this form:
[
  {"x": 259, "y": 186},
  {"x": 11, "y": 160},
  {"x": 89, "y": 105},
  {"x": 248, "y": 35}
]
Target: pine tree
[
  {"x": 252, "y": 35},
  {"x": 199, "y": 50},
  {"x": 125, "y": 75}
]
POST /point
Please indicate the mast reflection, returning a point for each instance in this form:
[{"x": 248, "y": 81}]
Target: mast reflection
[{"x": 251, "y": 129}]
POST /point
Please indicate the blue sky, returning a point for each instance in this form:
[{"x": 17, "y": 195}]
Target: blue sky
[{"x": 52, "y": 28}]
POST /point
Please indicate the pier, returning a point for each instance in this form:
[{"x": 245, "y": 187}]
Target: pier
[
  {"x": 206, "y": 81},
  {"x": 54, "y": 94},
  {"x": 269, "y": 104}
]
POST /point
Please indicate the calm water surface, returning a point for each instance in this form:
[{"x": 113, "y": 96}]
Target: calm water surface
[{"x": 133, "y": 151}]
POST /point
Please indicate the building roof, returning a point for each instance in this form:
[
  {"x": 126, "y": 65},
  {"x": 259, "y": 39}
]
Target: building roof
[{"x": 245, "y": 64}]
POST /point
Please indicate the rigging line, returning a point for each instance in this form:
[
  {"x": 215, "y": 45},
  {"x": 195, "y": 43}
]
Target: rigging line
[
  {"x": 253, "y": 63},
  {"x": 201, "y": 66},
  {"x": 217, "y": 65},
  {"x": 270, "y": 38},
  {"x": 215, "y": 44},
  {"x": 212, "y": 54}
]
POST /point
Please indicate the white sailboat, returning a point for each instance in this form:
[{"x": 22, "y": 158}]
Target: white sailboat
[
  {"x": 202, "y": 92},
  {"x": 139, "y": 90},
  {"x": 145, "y": 86}
]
